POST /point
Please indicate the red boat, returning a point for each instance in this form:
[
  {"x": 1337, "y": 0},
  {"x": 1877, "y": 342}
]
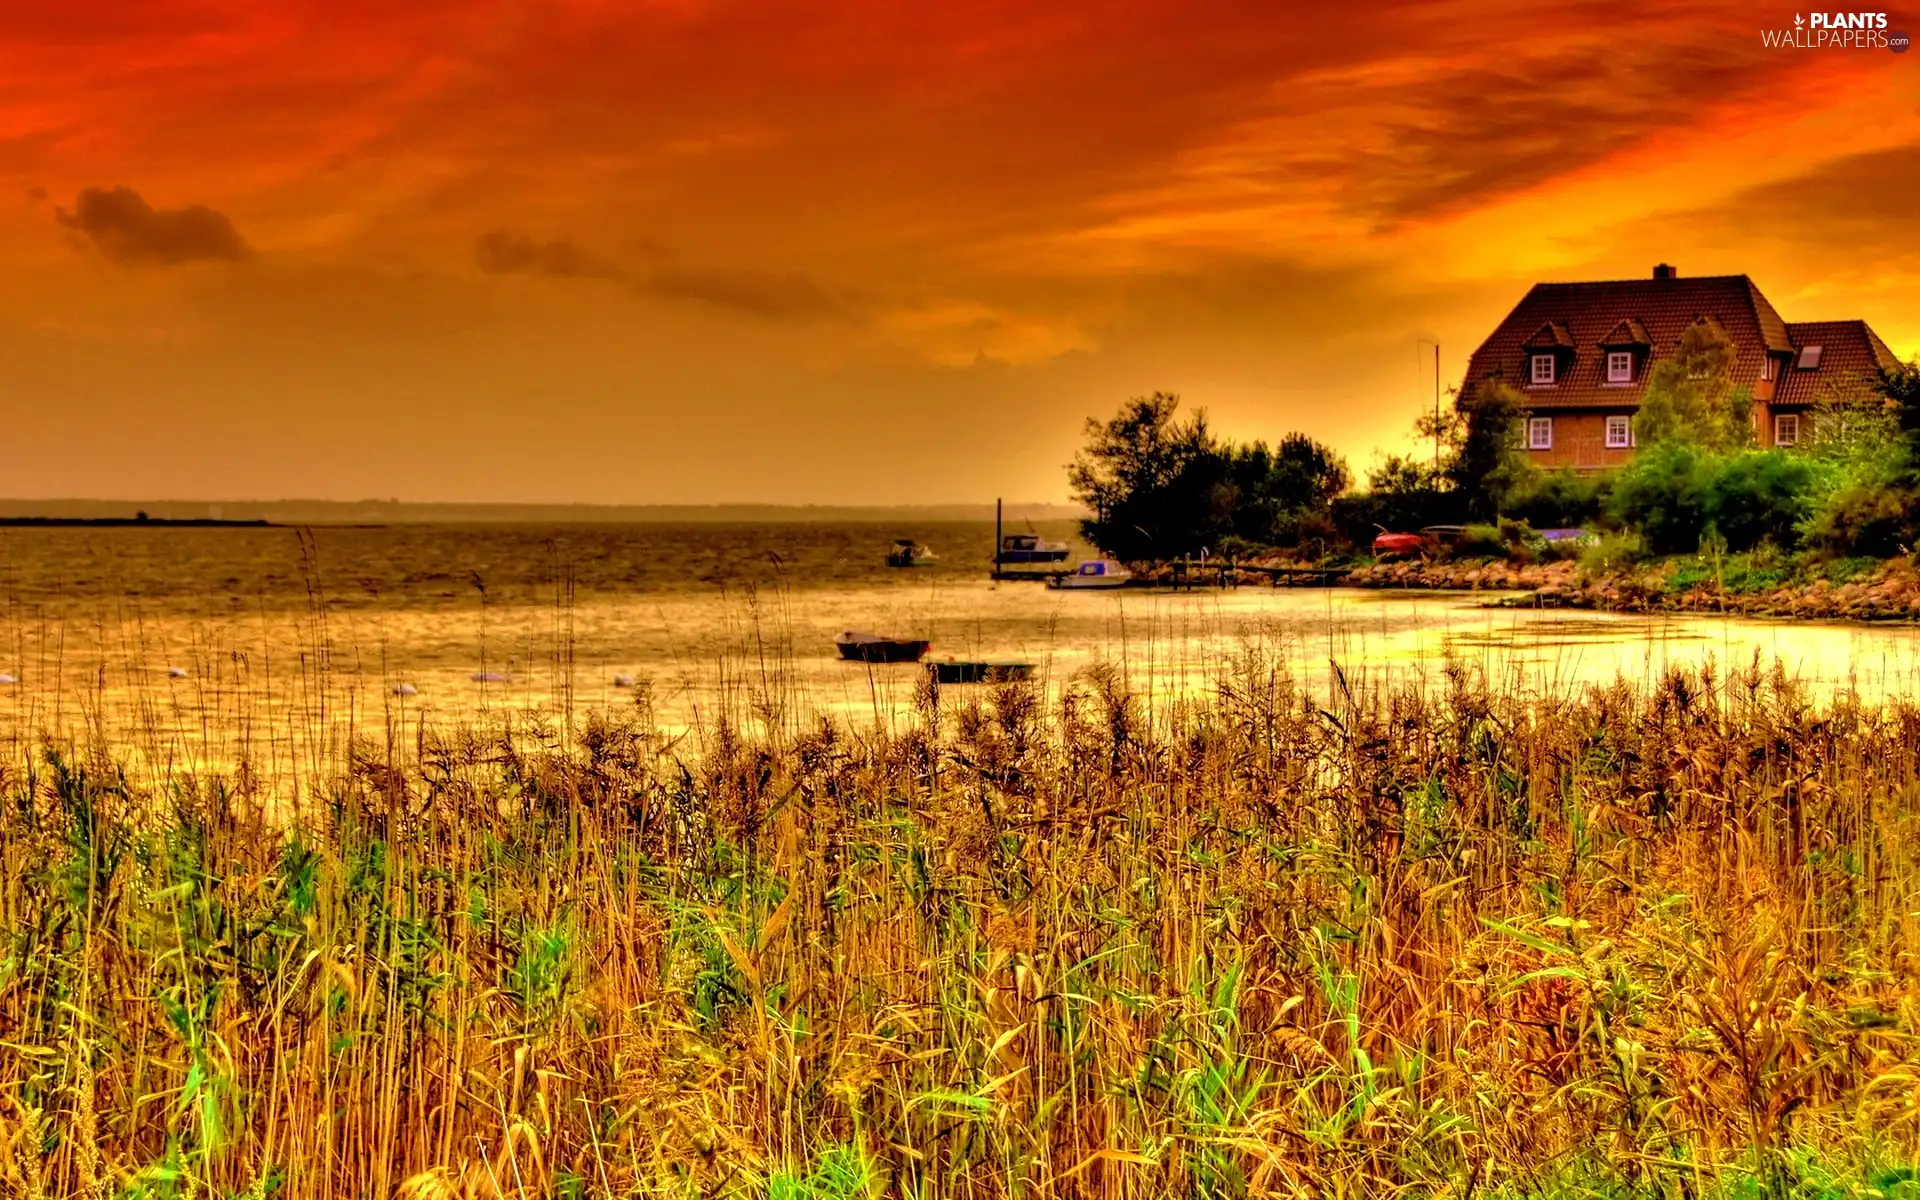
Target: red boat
[{"x": 1390, "y": 545}]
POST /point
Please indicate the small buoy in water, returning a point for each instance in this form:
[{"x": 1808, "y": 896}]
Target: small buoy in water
[
  {"x": 6, "y": 679},
  {"x": 176, "y": 672},
  {"x": 405, "y": 689},
  {"x": 623, "y": 680},
  {"x": 490, "y": 677}
]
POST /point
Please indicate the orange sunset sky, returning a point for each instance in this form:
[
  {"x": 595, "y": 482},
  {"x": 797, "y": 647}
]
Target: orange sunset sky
[{"x": 861, "y": 252}]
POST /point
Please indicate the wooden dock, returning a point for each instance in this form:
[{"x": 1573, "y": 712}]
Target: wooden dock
[
  {"x": 1192, "y": 576},
  {"x": 1188, "y": 575}
]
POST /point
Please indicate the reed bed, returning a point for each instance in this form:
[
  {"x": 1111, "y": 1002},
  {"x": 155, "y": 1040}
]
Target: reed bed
[{"x": 1441, "y": 939}]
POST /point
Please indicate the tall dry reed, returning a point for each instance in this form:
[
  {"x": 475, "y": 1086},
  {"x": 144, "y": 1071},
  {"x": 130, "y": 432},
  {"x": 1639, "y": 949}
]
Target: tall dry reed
[{"x": 1451, "y": 940}]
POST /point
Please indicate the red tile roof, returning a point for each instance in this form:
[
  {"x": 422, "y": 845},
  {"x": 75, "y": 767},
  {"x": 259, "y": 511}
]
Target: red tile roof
[
  {"x": 1850, "y": 353},
  {"x": 1590, "y": 312},
  {"x": 1626, "y": 334},
  {"x": 1551, "y": 336}
]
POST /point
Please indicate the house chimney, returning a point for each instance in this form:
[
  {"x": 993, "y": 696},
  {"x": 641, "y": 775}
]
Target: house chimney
[{"x": 1665, "y": 271}]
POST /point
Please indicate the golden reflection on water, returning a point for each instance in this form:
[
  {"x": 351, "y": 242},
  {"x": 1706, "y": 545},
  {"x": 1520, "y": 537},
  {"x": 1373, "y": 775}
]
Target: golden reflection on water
[{"x": 193, "y": 649}]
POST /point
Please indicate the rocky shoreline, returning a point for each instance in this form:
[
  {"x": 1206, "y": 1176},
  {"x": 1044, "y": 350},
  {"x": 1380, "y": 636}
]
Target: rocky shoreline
[{"x": 1890, "y": 592}]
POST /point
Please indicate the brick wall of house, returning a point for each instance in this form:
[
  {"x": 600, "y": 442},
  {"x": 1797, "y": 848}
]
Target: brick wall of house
[{"x": 1580, "y": 442}]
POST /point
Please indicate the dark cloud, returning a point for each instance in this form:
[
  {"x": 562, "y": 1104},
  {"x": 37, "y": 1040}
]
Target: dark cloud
[
  {"x": 760, "y": 293},
  {"x": 37, "y": 194},
  {"x": 1839, "y": 229},
  {"x": 503, "y": 252},
  {"x": 127, "y": 229},
  {"x": 1864, "y": 197},
  {"x": 1484, "y": 131},
  {"x": 771, "y": 294}
]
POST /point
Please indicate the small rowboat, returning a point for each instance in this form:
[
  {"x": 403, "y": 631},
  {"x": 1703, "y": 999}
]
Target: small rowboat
[
  {"x": 856, "y": 646},
  {"x": 951, "y": 671}
]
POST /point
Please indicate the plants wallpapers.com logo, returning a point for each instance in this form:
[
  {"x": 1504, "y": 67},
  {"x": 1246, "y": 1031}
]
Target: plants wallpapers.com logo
[{"x": 1837, "y": 31}]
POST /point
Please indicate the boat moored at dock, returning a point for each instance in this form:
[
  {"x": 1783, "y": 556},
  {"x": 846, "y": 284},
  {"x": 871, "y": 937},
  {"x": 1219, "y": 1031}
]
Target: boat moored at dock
[
  {"x": 1094, "y": 573},
  {"x": 1018, "y": 548}
]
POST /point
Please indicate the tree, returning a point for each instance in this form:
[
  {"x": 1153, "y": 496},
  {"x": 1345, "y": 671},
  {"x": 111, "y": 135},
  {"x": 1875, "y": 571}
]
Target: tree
[
  {"x": 1274, "y": 491},
  {"x": 1690, "y": 398},
  {"x": 1305, "y": 473},
  {"x": 1158, "y": 486},
  {"x": 1487, "y": 462},
  {"x": 1161, "y": 487},
  {"x": 1403, "y": 493},
  {"x": 1851, "y": 430},
  {"x": 1901, "y": 388}
]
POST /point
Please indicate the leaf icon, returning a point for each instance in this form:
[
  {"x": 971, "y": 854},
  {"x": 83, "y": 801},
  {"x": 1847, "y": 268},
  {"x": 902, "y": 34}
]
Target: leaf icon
[{"x": 1798, "y": 20}]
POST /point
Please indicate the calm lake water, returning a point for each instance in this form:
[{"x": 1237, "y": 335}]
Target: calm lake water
[{"x": 192, "y": 647}]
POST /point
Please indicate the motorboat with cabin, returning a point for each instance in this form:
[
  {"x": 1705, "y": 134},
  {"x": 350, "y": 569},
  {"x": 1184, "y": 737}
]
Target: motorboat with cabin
[
  {"x": 1030, "y": 548},
  {"x": 1093, "y": 573},
  {"x": 908, "y": 553}
]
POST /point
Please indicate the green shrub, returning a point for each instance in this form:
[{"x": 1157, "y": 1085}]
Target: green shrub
[
  {"x": 1757, "y": 495},
  {"x": 1662, "y": 494},
  {"x": 1863, "y": 520},
  {"x": 1480, "y": 541},
  {"x": 1614, "y": 552},
  {"x": 1674, "y": 492},
  {"x": 1563, "y": 500}
]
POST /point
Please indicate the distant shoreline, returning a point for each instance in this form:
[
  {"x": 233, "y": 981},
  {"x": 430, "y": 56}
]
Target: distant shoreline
[
  {"x": 256, "y": 513},
  {"x": 133, "y": 522}
]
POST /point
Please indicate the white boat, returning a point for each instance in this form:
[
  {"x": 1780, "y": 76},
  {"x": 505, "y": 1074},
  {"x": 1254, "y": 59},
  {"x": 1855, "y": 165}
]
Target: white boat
[
  {"x": 907, "y": 553},
  {"x": 1094, "y": 573}
]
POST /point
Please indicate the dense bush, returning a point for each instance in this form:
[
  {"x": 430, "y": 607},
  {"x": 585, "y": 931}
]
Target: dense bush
[
  {"x": 1864, "y": 519},
  {"x": 1614, "y": 552},
  {"x": 1401, "y": 496},
  {"x": 1675, "y": 492},
  {"x": 1481, "y": 541},
  {"x": 1563, "y": 500},
  {"x": 1662, "y": 494},
  {"x": 1759, "y": 496}
]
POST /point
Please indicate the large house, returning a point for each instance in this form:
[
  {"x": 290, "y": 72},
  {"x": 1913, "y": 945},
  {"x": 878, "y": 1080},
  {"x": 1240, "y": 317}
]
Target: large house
[{"x": 1580, "y": 353}]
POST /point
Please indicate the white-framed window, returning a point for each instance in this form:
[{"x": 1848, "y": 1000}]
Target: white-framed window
[
  {"x": 1539, "y": 433},
  {"x": 1619, "y": 432},
  {"x": 1619, "y": 366},
  {"x": 1786, "y": 429},
  {"x": 1767, "y": 367},
  {"x": 1543, "y": 368}
]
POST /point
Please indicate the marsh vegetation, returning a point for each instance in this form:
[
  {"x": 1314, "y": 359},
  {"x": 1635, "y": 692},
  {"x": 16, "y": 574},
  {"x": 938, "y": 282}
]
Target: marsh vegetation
[{"x": 1416, "y": 940}]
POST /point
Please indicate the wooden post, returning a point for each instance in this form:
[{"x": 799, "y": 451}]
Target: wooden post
[{"x": 998, "y": 504}]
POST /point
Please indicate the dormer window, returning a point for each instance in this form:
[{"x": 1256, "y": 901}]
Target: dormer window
[
  {"x": 1626, "y": 347},
  {"x": 1549, "y": 351}
]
